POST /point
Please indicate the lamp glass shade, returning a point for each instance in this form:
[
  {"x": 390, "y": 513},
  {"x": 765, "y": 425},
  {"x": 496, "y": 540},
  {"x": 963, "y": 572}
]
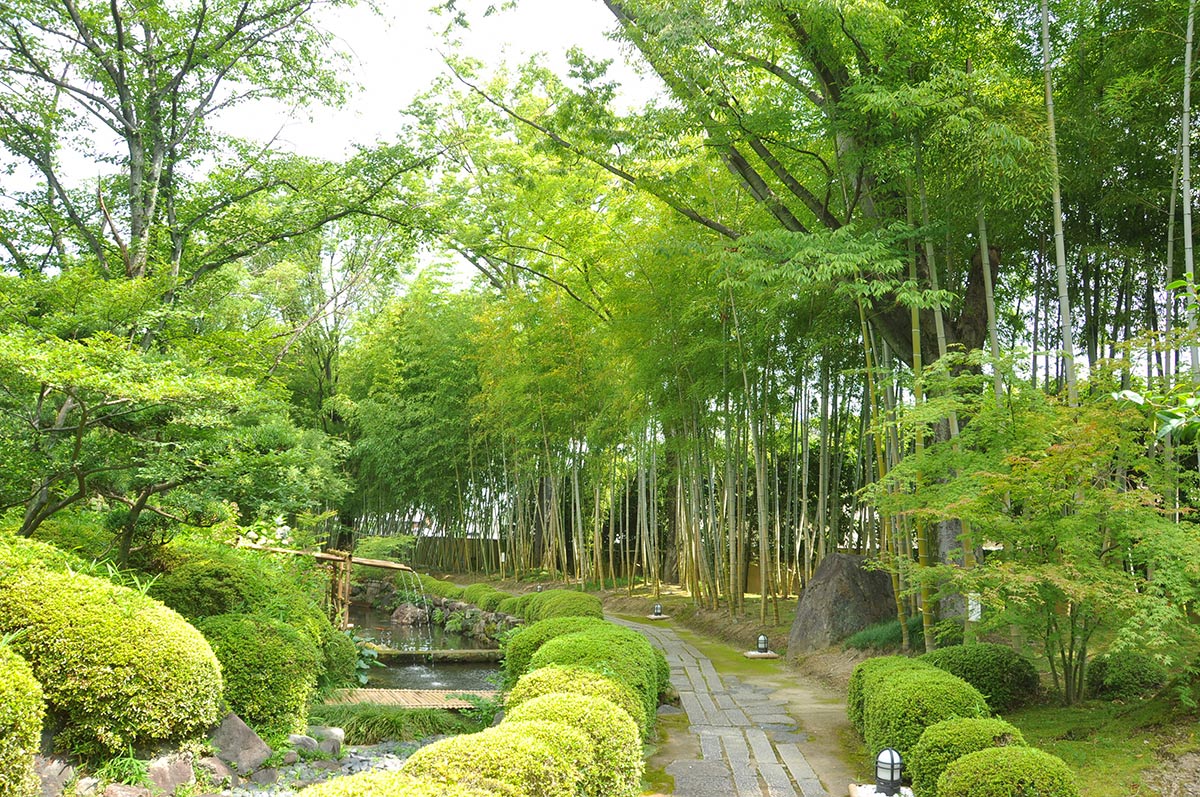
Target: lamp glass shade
[
  {"x": 657, "y": 609},
  {"x": 539, "y": 588},
  {"x": 888, "y": 766},
  {"x": 763, "y": 647}
]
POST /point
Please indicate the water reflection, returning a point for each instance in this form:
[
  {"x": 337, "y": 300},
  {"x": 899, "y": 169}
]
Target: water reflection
[{"x": 376, "y": 625}]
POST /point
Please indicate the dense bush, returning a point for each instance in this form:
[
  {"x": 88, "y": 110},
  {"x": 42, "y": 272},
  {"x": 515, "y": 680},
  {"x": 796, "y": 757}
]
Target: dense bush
[
  {"x": 474, "y": 593},
  {"x": 19, "y": 553},
  {"x": 339, "y": 657},
  {"x": 525, "y": 642},
  {"x": 21, "y": 711},
  {"x": 365, "y": 723},
  {"x": 1124, "y": 675},
  {"x": 945, "y": 742},
  {"x": 118, "y": 667},
  {"x": 1008, "y": 772},
  {"x": 511, "y": 605},
  {"x": 611, "y": 650},
  {"x": 908, "y": 702},
  {"x": 392, "y": 548},
  {"x": 270, "y": 670},
  {"x": 398, "y": 784},
  {"x": 562, "y": 603},
  {"x": 443, "y": 589},
  {"x": 1005, "y": 677},
  {"x": 616, "y": 770},
  {"x": 867, "y": 677},
  {"x": 490, "y": 601},
  {"x": 580, "y": 681},
  {"x": 542, "y": 758}
]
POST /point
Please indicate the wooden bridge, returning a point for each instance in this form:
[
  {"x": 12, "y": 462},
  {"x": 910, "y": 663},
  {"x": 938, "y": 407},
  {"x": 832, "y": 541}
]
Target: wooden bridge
[{"x": 409, "y": 698}]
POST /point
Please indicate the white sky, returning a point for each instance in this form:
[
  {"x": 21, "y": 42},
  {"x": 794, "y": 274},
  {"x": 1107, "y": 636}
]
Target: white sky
[{"x": 395, "y": 56}]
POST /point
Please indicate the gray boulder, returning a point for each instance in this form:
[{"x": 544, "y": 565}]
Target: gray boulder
[
  {"x": 410, "y": 614},
  {"x": 238, "y": 745},
  {"x": 168, "y": 773},
  {"x": 841, "y": 599}
]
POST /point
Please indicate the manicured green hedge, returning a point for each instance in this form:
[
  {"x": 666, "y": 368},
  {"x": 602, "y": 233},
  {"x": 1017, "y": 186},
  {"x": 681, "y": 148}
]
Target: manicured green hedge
[
  {"x": 511, "y": 606},
  {"x": 525, "y": 642},
  {"x": 611, "y": 650},
  {"x": 867, "y": 677},
  {"x": 580, "y": 681},
  {"x": 1006, "y": 678},
  {"x": 118, "y": 667},
  {"x": 399, "y": 784},
  {"x": 270, "y": 671},
  {"x": 616, "y": 770},
  {"x": 443, "y": 589},
  {"x": 479, "y": 591},
  {"x": 945, "y": 742},
  {"x": 909, "y": 701},
  {"x": 21, "y": 712},
  {"x": 490, "y": 601},
  {"x": 536, "y": 758},
  {"x": 1124, "y": 675},
  {"x": 1008, "y": 772},
  {"x": 563, "y": 603}
]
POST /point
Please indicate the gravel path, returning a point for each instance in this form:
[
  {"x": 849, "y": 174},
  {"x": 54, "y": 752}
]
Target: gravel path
[{"x": 746, "y": 743}]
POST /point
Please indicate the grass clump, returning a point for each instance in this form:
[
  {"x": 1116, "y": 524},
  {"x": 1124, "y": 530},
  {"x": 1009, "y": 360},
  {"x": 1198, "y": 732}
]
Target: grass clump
[{"x": 369, "y": 724}]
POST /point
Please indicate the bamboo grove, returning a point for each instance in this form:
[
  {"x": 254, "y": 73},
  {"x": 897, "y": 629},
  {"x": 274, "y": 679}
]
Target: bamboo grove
[{"x": 908, "y": 279}]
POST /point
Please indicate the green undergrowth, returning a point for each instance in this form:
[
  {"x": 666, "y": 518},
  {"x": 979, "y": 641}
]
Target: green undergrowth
[
  {"x": 369, "y": 724},
  {"x": 1108, "y": 744}
]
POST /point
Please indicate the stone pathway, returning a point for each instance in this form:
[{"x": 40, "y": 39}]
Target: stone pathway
[{"x": 746, "y": 741}]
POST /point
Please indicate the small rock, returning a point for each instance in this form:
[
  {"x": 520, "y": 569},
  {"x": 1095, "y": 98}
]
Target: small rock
[
  {"x": 170, "y": 772},
  {"x": 121, "y": 790},
  {"x": 331, "y": 746},
  {"x": 290, "y": 757},
  {"x": 86, "y": 787},
  {"x": 306, "y": 743},
  {"x": 55, "y": 773},
  {"x": 669, "y": 711},
  {"x": 330, "y": 739},
  {"x": 265, "y": 776},
  {"x": 327, "y": 764},
  {"x": 216, "y": 769},
  {"x": 238, "y": 745}
]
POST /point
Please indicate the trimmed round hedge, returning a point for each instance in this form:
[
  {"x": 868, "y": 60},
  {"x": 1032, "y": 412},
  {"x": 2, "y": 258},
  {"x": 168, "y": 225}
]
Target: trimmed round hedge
[
  {"x": 476, "y": 592},
  {"x": 866, "y": 678},
  {"x": 21, "y": 712},
  {"x": 945, "y": 742},
  {"x": 399, "y": 784},
  {"x": 490, "y": 601},
  {"x": 270, "y": 670},
  {"x": 525, "y": 642},
  {"x": 443, "y": 589},
  {"x": 1006, "y": 678},
  {"x": 119, "y": 667},
  {"x": 908, "y": 702},
  {"x": 563, "y": 603},
  {"x": 611, "y": 650},
  {"x": 1008, "y": 772},
  {"x": 580, "y": 681},
  {"x": 616, "y": 743},
  {"x": 542, "y": 758},
  {"x": 1124, "y": 675}
]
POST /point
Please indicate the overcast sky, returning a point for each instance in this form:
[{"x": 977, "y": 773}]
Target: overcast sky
[{"x": 395, "y": 56}]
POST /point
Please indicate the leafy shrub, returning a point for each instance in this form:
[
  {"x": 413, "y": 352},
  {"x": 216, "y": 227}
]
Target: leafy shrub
[
  {"x": 511, "y": 605},
  {"x": 21, "y": 711},
  {"x": 616, "y": 770},
  {"x": 867, "y": 677},
  {"x": 393, "y": 548},
  {"x": 563, "y": 603},
  {"x": 339, "y": 661},
  {"x": 526, "y": 641},
  {"x": 443, "y": 589},
  {"x": 118, "y": 667},
  {"x": 395, "y": 784},
  {"x": 1124, "y": 675},
  {"x": 947, "y": 741},
  {"x": 542, "y": 758},
  {"x": 19, "y": 553},
  {"x": 580, "y": 681},
  {"x": 1008, "y": 772},
  {"x": 365, "y": 723},
  {"x": 610, "y": 650},
  {"x": 270, "y": 670},
  {"x": 490, "y": 601},
  {"x": 1005, "y": 677},
  {"x": 474, "y": 593},
  {"x": 203, "y": 580},
  {"x": 908, "y": 702}
]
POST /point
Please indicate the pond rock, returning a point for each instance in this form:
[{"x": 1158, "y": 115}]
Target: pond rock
[{"x": 410, "y": 614}]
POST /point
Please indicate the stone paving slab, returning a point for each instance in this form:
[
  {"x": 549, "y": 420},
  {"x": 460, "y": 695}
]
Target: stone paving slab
[{"x": 746, "y": 747}]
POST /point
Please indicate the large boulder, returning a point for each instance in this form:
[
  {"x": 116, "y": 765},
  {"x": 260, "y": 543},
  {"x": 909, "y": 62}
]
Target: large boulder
[{"x": 841, "y": 599}]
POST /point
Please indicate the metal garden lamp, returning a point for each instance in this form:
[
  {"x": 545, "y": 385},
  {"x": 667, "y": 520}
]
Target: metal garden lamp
[
  {"x": 763, "y": 647},
  {"x": 538, "y": 588},
  {"x": 888, "y": 766},
  {"x": 657, "y": 609}
]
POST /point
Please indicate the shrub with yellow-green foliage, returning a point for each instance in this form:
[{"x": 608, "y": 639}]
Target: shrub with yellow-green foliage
[
  {"x": 562, "y": 603},
  {"x": 118, "y": 667},
  {"x": 580, "y": 681},
  {"x": 612, "y": 650},
  {"x": 476, "y": 593},
  {"x": 908, "y": 702},
  {"x": 270, "y": 670},
  {"x": 443, "y": 589},
  {"x": 399, "y": 784},
  {"x": 1008, "y": 772},
  {"x": 21, "y": 711},
  {"x": 616, "y": 744},
  {"x": 535, "y": 758},
  {"x": 867, "y": 677},
  {"x": 525, "y": 642},
  {"x": 949, "y": 740}
]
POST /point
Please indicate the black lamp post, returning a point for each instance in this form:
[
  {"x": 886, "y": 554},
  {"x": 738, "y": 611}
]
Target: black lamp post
[
  {"x": 658, "y": 610},
  {"x": 763, "y": 647},
  {"x": 888, "y": 766}
]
